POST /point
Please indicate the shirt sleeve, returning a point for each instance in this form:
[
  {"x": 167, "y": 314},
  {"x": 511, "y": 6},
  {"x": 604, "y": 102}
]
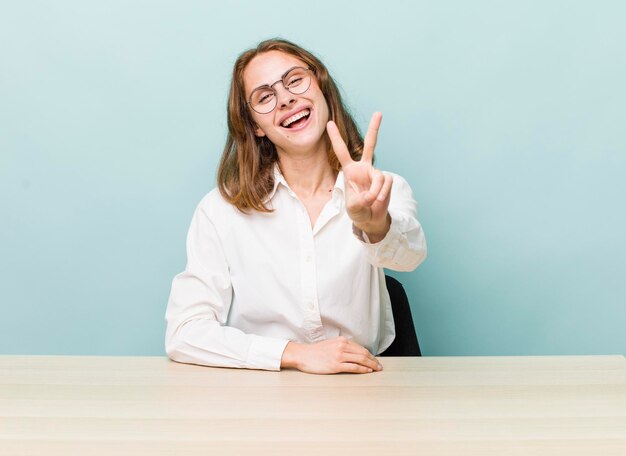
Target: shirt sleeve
[
  {"x": 404, "y": 246},
  {"x": 198, "y": 308}
]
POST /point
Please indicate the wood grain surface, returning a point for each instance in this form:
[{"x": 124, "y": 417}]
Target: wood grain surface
[{"x": 57, "y": 405}]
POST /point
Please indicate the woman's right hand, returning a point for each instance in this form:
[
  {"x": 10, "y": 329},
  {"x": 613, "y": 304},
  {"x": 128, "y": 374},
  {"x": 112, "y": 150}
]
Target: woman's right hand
[{"x": 330, "y": 357}]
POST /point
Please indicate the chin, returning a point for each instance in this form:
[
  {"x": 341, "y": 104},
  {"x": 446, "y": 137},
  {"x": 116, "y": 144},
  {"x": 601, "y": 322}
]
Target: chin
[
  {"x": 303, "y": 139},
  {"x": 306, "y": 140}
]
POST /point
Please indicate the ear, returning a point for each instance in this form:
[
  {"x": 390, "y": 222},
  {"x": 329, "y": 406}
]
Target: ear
[{"x": 258, "y": 132}]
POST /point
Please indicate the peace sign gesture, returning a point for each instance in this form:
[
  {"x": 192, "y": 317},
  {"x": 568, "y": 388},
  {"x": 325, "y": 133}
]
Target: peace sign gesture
[{"x": 368, "y": 190}]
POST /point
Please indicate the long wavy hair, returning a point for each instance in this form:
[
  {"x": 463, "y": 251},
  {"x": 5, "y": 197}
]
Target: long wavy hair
[{"x": 246, "y": 172}]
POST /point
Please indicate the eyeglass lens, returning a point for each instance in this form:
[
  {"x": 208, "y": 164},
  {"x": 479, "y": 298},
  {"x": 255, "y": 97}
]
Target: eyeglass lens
[{"x": 297, "y": 81}]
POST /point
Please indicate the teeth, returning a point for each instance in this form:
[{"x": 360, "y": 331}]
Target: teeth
[{"x": 295, "y": 117}]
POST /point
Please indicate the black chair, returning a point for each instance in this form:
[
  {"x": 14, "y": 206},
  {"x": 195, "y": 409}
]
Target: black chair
[{"x": 405, "y": 343}]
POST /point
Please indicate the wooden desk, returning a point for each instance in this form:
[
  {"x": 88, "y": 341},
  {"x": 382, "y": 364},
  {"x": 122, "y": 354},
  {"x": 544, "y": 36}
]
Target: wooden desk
[{"x": 437, "y": 406}]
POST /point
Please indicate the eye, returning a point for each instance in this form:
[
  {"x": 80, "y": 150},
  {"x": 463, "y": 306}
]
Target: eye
[
  {"x": 294, "y": 80},
  {"x": 262, "y": 96},
  {"x": 265, "y": 98}
]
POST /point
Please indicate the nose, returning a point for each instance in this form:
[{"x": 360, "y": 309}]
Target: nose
[{"x": 284, "y": 97}]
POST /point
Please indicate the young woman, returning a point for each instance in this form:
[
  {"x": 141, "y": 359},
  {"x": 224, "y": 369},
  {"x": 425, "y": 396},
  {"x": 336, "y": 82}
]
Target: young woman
[{"x": 285, "y": 258}]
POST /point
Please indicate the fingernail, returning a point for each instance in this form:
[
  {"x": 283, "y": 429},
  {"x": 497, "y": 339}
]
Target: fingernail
[
  {"x": 380, "y": 367},
  {"x": 369, "y": 370}
]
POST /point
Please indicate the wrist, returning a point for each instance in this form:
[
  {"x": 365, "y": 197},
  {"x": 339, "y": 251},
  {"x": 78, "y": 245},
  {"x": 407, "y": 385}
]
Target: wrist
[
  {"x": 290, "y": 356},
  {"x": 375, "y": 231}
]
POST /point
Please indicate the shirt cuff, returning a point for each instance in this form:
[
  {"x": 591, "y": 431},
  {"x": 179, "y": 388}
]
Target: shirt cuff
[
  {"x": 266, "y": 353},
  {"x": 386, "y": 248}
]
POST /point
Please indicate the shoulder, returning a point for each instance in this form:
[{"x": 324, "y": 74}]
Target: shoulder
[
  {"x": 214, "y": 206},
  {"x": 400, "y": 184},
  {"x": 397, "y": 178},
  {"x": 402, "y": 198}
]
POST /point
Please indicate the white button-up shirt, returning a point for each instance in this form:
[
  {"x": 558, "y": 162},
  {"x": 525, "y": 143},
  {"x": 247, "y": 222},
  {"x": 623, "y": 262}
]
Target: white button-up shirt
[{"x": 256, "y": 281}]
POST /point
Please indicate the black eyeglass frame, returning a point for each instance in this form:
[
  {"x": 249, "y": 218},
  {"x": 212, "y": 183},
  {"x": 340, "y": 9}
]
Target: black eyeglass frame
[{"x": 271, "y": 87}]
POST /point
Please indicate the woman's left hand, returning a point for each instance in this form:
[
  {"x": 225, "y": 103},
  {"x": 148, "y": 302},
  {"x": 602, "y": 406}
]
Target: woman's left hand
[{"x": 368, "y": 190}]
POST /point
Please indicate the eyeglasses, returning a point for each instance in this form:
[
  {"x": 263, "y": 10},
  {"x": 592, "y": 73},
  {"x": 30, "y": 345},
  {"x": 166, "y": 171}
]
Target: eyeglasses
[{"x": 296, "y": 80}]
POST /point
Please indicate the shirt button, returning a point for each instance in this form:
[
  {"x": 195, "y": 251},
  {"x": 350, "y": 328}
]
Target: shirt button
[
  {"x": 308, "y": 258},
  {"x": 311, "y": 305}
]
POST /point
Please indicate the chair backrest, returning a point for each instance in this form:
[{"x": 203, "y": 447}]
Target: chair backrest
[{"x": 405, "y": 343}]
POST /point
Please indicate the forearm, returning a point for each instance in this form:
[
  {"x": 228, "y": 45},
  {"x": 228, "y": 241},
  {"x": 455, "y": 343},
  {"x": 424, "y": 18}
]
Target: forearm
[
  {"x": 206, "y": 342},
  {"x": 402, "y": 248}
]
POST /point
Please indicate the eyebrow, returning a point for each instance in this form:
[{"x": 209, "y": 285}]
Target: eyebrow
[{"x": 281, "y": 78}]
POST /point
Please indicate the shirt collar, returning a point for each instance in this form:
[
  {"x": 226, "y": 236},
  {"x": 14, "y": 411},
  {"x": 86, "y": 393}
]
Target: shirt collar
[
  {"x": 338, "y": 188},
  {"x": 278, "y": 179},
  {"x": 339, "y": 191}
]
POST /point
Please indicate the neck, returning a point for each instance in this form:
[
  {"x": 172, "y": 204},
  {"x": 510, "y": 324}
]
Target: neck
[{"x": 307, "y": 172}]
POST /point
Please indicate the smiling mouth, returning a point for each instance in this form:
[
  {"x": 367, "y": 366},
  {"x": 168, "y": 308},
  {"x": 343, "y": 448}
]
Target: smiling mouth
[{"x": 297, "y": 119}]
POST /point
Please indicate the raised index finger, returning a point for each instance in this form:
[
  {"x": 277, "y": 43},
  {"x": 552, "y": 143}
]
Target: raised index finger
[
  {"x": 339, "y": 146},
  {"x": 370, "y": 138}
]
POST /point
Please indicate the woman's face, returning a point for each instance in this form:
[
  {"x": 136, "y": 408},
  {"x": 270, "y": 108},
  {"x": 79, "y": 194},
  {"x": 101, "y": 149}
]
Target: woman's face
[{"x": 306, "y": 134}]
